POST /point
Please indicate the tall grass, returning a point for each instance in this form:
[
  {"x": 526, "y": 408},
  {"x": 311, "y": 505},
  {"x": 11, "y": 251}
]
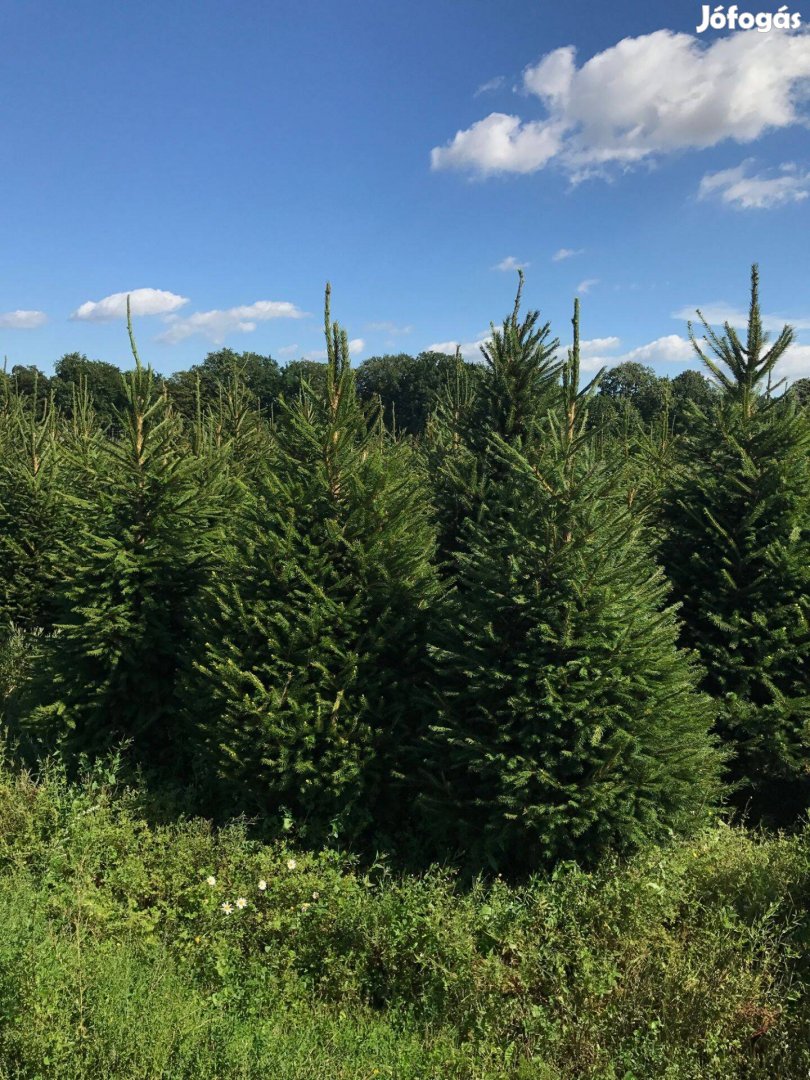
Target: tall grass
[{"x": 117, "y": 958}]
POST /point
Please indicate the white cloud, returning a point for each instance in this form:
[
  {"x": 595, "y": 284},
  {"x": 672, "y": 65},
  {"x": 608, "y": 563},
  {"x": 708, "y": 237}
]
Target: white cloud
[
  {"x": 142, "y": 302},
  {"x": 470, "y": 350},
  {"x": 598, "y": 345},
  {"x": 737, "y": 187},
  {"x": 490, "y": 85},
  {"x": 671, "y": 349},
  {"x": 356, "y": 345},
  {"x": 586, "y": 285},
  {"x": 566, "y": 253},
  {"x": 795, "y": 364},
  {"x": 22, "y": 320},
  {"x": 218, "y": 324},
  {"x": 500, "y": 143},
  {"x": 510, "y": 263},
  {"x": 288, "y": 350},
  {"x": 643, "y": 97},
  {"x": 719, "y": 313}
]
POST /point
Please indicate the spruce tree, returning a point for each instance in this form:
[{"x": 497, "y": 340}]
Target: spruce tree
[
  {"x": 517, "y": 385},
  {"x": 569, "y": 719},
  {"x": 33, "y": 515},
  {"x": 317, "y": 644},
  {"x": 738, "y": 552},
  {"x": 146, "y": 538}
]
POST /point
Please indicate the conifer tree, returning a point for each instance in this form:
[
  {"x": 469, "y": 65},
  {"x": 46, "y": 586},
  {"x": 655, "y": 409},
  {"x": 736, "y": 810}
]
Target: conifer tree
[
  {"x": 738, "y": 552},
  {"x": 569, "y": 719},
  {"x": 142, "y": 551},
  {"x": 518, "y": 385},
  {"x": 315, "y": 646},
  {"x": 33, "y": 514}
]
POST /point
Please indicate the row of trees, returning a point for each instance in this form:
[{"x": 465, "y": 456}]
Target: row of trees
[
  {"x": 407, "y": 388},
  {"x": 531, "y": 632}
]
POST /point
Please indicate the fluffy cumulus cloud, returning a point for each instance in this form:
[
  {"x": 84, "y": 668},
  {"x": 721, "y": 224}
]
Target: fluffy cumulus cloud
[
  {"x": 217, "y": 324},
  {"x": 795, "y": 364},
  {"x": 745, "y": 190},
  {"x": 641, "y": 98},
  {"x": 22, "y": 320},
  {"x": 470, "y": 350},
  {"x": 142, "y": 302},
  {"x": 510, "y": 263},
  {"x": 601, "y": 352}
]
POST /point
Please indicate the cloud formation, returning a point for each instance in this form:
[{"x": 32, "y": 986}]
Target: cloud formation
[
  {"x": 217, "y": 324},
  {"x": 470, "y": 350},
  {"x": 741, "y": 189},
  {"x": 22, "y": 320},
  {"x": 356, "y": 345},
  {"x": 670, "y": 349},
  {"x": 142, "y": 301},
  {"x": 639, "y": 99},
  {"x": 585, "y": 286},
  {"x": 566, "y": 253},
  {"x": 718, "y": 313},
  {"x": 510, "y": 263}
]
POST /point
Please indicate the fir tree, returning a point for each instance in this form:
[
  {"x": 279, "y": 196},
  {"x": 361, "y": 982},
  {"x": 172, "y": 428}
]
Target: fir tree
[
  {"x": 33, "y": 513},
  {"x": 569, "y": 719},
  {"x": 518, "y": 385},
  {"x": 316, "y": 644},
  {"x": 146, "y": 538},
  {"x": 738, "y": 552}
]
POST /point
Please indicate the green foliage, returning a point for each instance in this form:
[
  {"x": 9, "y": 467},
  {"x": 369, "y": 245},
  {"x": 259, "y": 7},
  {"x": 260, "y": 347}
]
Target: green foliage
[
  {"x": 119, "y": 959},
  {"x": 407, "y": 387},
  {"x": 569, "y": 722},
  {"x": 144, "y": 543},
  {"x": 738, "y": 552},
  {"x": 314, "y": 643},
  {"x": 33, "y": 516}
]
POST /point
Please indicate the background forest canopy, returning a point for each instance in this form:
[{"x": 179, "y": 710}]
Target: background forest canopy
[
  {"x": 406, "y": 386},
  {"x": 471, "y": 612}
]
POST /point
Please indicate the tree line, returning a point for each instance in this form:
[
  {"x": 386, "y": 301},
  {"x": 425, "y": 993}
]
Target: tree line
[{"x": 490, "y": 613}]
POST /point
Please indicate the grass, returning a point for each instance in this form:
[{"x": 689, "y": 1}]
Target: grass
[{"x": 117, "y": 958}]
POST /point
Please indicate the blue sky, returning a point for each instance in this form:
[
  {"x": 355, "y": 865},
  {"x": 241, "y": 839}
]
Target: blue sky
[{"x": 225, "y": 160}]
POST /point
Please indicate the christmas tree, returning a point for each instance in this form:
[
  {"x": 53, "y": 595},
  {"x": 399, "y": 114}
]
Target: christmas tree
[{"x": 738, "y": 552}]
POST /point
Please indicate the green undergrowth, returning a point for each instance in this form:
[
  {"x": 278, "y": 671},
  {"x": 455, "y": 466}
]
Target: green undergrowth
[{"x": 126, "y": 951}]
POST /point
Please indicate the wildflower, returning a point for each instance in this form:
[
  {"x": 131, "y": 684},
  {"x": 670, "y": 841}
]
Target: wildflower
[
  {"x": 291, "y": 864},
  {"x": 305, "y": 907},
  {"x": 227, "y": 908},
  {"x": 241, "y": 903},
  {"x": 262, "y": 885},
  {"x": 211, "y": 880},
  {"x": 316, "y": 896}
]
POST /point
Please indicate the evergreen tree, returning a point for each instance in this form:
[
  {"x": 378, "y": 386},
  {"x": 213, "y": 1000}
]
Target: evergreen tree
[
  {"x": 33, "y": 514},
  {"x": 738, "y": 552},
  {"x": 146, "y": 538},
  {"x": 569, "y": 719},
  {"x": 315, "y": 645},
  {"x": 517, "y": 385}
]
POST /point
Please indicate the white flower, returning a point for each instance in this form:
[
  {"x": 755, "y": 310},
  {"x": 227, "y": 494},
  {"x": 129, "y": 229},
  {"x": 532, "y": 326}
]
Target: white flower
[
  {"x": 262, "y": 885},
  {"x": 211, "y": 880},
  {"x": 316, "y": 896},
  {"x": 241, "y": 902},
  {"x": 227, "y": 908},
  {"x": 305, "y": 907},
  {"x": 291, "y": 864}
]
